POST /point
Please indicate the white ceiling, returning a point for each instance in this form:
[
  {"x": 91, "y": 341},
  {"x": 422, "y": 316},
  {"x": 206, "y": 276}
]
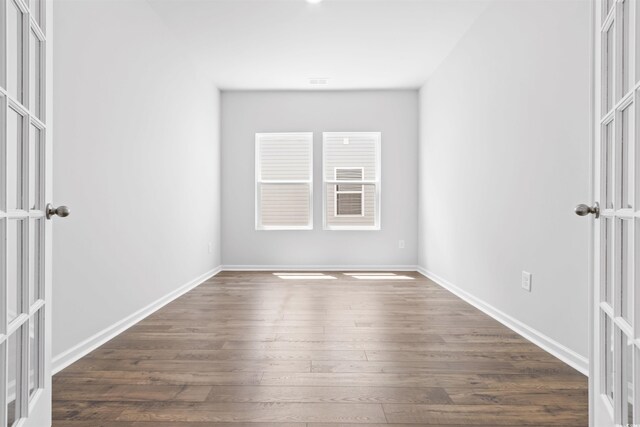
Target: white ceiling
[{"x": 281, "y": 44}]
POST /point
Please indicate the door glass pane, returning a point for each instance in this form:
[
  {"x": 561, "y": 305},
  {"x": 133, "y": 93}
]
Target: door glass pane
[
  {"x": 13, "y": 385},
  {"x": 35, "y": 258},
  {"x": 35, "y": 153},
  {"x": 606, "y": 7},
  {"x": 608, "y": 358},
  {"x": 36, "y": 10},
  {"x": 14, "y": 268},
  {"x": 627, "y": 78},
  {"x": 607, "y": 258},
  {"x": 34, "y": 352},
  {"x": 627, "y": 380},
  {"x": 637, "y": 22},
  {"x": 635, "y": 261},
  {"x": 14, "y": 159},
  {"x": 608, "y": 68},
  {"x": 608, "y": 160},
  {"x": 635, "y": 162},
  {"x": 625, "y": 173},
  {"x": 625, "y": 268},
  {"x": 14, "y": 51},
  {"x": 35, "y": 97}
]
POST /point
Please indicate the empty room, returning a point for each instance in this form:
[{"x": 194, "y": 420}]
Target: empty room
[{"x": 319, "y": 213}]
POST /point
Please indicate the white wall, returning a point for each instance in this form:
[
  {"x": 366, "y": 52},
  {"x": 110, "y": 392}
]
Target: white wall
[
  {"x": 503, "y": 161},
  {"x": 136, "y": 159},
  {"x": 394, "y": 113}
]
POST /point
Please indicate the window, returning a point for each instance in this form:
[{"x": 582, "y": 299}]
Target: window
[
  {"x": 351, "y": 171},
  {"x": 284, "y": 181}
]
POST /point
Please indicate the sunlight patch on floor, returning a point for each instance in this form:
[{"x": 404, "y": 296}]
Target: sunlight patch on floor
[
  {"x": 378, "y": 276},
  {"x": 304, "y": 276}
]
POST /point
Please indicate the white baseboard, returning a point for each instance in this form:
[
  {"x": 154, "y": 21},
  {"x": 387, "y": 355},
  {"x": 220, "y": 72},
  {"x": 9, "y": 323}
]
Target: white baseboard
[
  {"x": 316, "y": 267},
  {"x": 66, "y": 358},
  {"x": 563, "y": 353}
]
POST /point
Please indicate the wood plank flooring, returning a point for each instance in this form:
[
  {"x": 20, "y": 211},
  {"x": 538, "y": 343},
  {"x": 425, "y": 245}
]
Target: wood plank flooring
[{"x": 254, "y": 349}]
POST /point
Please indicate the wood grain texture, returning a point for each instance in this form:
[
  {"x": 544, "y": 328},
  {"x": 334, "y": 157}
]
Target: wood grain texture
[{"x": 252, "y": 349}]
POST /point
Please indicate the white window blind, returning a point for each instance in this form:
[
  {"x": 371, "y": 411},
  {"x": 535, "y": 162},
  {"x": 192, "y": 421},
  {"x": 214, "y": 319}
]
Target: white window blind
[
  {"x": 351, "y": 174},
  {"x": 284, "y": 181}
]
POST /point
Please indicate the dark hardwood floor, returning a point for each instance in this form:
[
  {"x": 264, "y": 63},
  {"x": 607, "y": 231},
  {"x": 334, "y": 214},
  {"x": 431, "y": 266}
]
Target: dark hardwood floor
[{"x": 255, "y": 349}]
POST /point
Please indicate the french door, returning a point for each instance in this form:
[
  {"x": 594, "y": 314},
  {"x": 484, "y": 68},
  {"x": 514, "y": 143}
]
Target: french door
[
  {"x": 614, "y": 382},
  {"x": 25, "y": 156}
]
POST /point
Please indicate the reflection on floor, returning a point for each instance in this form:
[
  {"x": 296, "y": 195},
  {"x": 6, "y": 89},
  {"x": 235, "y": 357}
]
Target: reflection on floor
[{"x": 292, "y": 350}]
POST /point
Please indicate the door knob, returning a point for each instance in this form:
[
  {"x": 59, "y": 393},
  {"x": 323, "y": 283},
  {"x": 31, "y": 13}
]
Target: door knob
[
  {"x": 61, "y": 211},
  {"x": 584, "y": 210}
]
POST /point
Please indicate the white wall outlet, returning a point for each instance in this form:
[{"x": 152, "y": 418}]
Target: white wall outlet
[
  {"x": 526, "y": 281},
  {"x": 210, "y": 247},
  {"x": 401, "y": 244}
]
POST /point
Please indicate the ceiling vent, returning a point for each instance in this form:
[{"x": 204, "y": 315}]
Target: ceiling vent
[{"x": 318, "y": 81}]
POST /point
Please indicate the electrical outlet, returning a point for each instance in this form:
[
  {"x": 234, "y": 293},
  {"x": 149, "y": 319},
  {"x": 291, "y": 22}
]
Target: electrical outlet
[
  {"x": 210, "y": 247},
  {"x": 526, "y": 281},
  {"x": 401, "y": 244}
]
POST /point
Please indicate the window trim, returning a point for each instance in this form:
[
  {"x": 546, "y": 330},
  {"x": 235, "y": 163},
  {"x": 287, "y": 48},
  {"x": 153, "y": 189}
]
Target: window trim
[
  {"x": 308, "y": 137},
  {"x": 377, "y": 137}
]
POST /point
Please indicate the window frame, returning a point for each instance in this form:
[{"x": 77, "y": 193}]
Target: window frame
[
  {"x": 377, "y": 138},
  {"x": 308, "y": 137}
]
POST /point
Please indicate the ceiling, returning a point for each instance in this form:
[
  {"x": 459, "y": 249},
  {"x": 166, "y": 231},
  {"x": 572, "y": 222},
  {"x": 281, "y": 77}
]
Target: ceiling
[{"x": 282, "y": 44}]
